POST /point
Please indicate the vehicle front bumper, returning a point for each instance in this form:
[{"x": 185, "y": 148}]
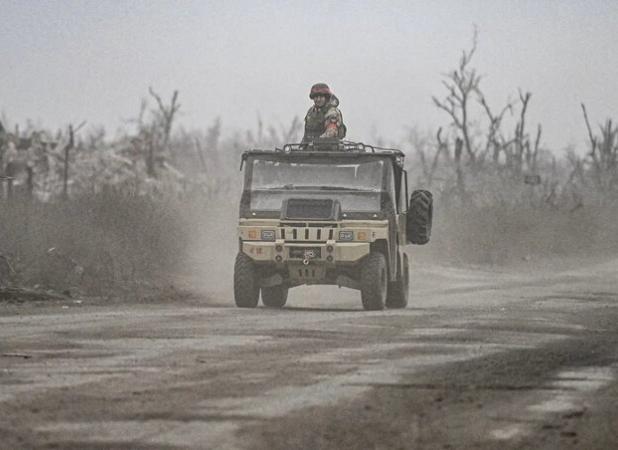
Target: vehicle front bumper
[{"x": 330, "y": 252}]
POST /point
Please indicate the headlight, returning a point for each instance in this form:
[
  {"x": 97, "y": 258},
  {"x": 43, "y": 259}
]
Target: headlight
[
  {"x": 346, "y": 235},
  {"x": 268, "y": 235}
]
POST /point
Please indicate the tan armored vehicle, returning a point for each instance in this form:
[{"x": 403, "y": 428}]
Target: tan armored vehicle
[{"x": 327, "y": 212}]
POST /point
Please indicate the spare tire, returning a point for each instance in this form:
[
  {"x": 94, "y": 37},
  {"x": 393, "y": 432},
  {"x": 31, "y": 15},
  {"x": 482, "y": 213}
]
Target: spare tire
[{"x": 420, "y": 216}]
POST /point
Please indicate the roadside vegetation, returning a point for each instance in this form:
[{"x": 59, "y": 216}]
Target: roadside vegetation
[
  {"x": 500, "y": 194},
  {"x": 84, "y": 211}
]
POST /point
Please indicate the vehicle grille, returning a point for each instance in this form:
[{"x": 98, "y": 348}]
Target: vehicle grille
[
  {"x": 315, "y": 234},
  {"x": 306, "y": 208}
]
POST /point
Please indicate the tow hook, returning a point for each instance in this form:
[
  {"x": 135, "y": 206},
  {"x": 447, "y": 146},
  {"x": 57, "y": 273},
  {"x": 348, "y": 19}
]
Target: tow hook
[{"x": 309, "y": 254}]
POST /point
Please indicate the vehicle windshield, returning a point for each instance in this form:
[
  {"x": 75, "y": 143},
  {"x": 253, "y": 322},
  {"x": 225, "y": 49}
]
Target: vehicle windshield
[
  {"x": 355, "y": 184},
  {"x": 357, "y": 175}
]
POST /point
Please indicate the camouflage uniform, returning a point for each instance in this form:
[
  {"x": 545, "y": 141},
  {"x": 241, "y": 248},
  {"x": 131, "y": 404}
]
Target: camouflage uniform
[{"x": 324, "y": 122}]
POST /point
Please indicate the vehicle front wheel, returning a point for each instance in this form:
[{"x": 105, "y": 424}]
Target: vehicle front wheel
[
  {"x": 399, "y": 290},
  {"x": 275, "y": 297},
  {"x": 373, "y": 281},
  {"x": 246, "y": 288}
]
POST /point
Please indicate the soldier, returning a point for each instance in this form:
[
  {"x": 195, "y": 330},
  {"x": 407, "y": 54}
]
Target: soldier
[{"x": 323, "y": 120}]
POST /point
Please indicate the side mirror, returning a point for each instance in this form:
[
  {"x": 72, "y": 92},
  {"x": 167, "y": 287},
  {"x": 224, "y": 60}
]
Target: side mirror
[{"x": 420, "y": 217}]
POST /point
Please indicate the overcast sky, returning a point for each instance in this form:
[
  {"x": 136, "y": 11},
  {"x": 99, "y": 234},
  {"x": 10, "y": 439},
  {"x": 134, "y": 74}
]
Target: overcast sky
[{"x": 66, "y": 61}]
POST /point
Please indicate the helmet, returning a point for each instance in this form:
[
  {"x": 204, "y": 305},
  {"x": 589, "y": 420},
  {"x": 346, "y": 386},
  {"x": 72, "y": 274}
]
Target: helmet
[{"x": 320, "y": 89}]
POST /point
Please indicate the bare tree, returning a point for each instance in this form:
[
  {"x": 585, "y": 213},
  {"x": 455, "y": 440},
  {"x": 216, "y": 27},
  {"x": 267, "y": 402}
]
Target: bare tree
[
  {"x": 167, "y": 112},
  {"x": 155, "y": 136},
  {"x": 430, "y": 168},
  {"x": 603, "y": 154},
  {"x": 70, "y": 145},
  {"x": 461, "y": 84},
  {"x": 495, "y": 141},
  {"x": 521, "y": 139},
  {"x": 291, "y": 133}
]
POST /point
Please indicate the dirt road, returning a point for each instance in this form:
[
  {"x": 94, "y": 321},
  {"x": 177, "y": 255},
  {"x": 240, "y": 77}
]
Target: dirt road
[{"x": 480, "y": 359}]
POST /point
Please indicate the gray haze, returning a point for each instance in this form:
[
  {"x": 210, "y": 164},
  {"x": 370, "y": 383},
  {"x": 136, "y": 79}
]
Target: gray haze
[{"x": 68, "y": 61}]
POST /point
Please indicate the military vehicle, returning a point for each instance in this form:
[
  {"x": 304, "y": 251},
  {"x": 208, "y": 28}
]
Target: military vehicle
[{"x": 327, "y": 212}]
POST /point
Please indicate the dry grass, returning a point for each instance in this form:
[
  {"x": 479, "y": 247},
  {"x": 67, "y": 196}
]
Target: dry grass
[
  {"x": 96, "y": 243},
  {"x": 500, "y": 235}
]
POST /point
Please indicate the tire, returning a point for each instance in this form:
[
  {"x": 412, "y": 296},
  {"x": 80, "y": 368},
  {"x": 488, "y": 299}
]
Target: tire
[
  {"x": 399, "y": 290},
  {"x": 420, "y": 217},
  {"x": 275, "y": 297},
  {"x": 246, "y": 289},
  {"x": 374, "y": 281}
]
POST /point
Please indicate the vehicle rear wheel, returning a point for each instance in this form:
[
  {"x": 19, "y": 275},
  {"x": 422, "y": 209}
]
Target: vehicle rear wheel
[
  {"x": 275, "y": 297},
  {"x": 399, "y": 290},
  {"x": 246, "y": 289},
  {"x": 373, "y": 281},
  {"x": 420, "y": 215}
]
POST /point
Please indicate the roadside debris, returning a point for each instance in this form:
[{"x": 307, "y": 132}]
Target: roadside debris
[
  {"x": 16, "y": 355},
  {"x": 6, "y": 270},
  {"x": 26, "y": 294}
]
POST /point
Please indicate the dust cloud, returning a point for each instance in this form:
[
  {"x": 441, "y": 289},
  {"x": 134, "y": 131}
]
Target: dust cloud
[
  {"x": 513, "y": 235},
  {"x": 507, "y": 238},
  {"x": 210, "y": 258}
]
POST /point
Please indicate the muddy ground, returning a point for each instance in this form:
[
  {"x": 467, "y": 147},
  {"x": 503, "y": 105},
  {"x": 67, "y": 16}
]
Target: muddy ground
[{"x": 519, "y": 358}]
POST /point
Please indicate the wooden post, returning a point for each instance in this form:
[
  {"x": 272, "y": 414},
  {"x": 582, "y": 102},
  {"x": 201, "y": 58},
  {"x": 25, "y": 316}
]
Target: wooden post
[
  {"x": 67, "y": 150},
  {"x": 150, "y": 154},
  {"x": 461, "y": 186},
  {"x": 30, "y": 182},
  {"x": 2, "y": 151},
  {"x": 200, "y": 154}
]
